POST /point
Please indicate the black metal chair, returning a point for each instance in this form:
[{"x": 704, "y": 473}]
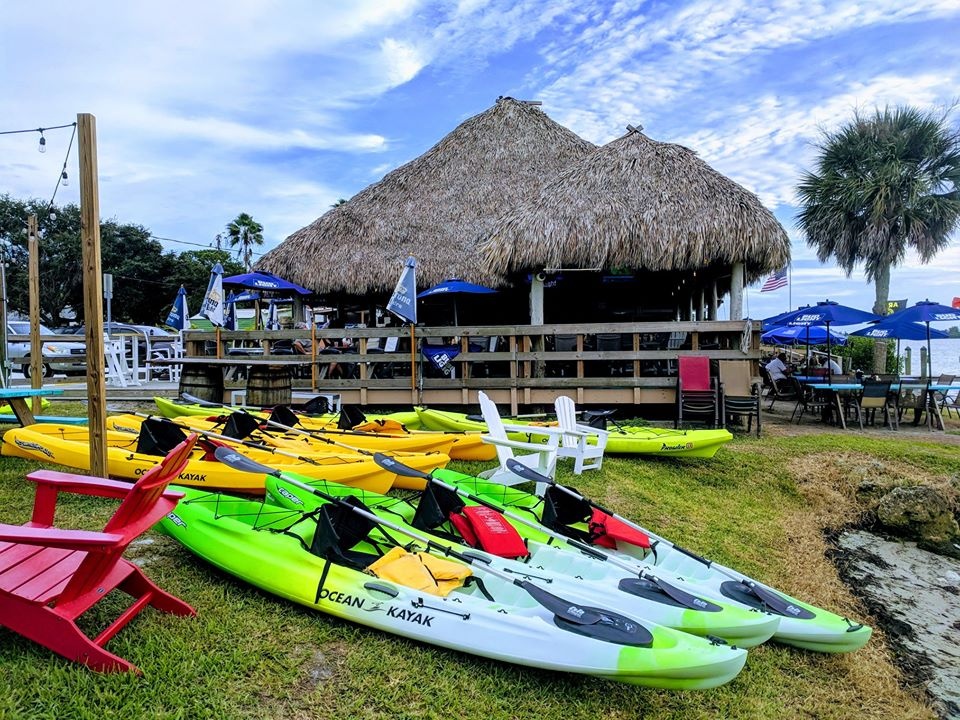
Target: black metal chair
[
  {"x": 876, "y": 396},
  {"x": 787, "y": 389}
]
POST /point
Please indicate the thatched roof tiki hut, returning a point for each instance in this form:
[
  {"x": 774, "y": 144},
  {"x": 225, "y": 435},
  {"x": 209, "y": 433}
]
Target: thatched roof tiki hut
[
  {"x": 685, "y": 233},
  {"x": 437, "y": 207}
]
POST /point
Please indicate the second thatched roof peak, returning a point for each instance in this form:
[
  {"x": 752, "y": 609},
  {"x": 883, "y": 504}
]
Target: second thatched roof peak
[
  {"x": 641, "y": 204},
  {"x": 437, "y": 207}
]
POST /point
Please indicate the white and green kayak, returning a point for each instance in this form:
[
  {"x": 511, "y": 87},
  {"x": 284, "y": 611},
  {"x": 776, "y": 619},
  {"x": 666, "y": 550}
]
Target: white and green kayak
[
  {"x": 563, "y": 510},
  {"x": 318, "y": 558}
]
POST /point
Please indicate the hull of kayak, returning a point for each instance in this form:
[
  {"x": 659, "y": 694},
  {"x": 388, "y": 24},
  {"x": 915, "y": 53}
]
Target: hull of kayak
[
  {"x": 298, "y": 445},
  {"x": 567, "y": 573},
  {"x": 462, "y": 446},
  {"x": 801, "y": 624},
  {"x": 624, "y": 441},
  {"x": 233, "y": 535},
  {"x": 69, "y": 445}
]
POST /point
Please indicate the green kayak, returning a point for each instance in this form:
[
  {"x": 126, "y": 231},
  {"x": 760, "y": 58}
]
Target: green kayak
[
  {"x": 318, "y": 558},
  {"x": 625, "y": 440}
]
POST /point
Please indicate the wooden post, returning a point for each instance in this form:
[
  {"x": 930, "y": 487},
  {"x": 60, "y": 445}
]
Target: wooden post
[
  {"x": 536, "y": 318},
  {"x": 313, "y": 354},
  {"x": 714, "y": 301},
  {"x": 92, "y": 291},
  {"x": 736, "y": 292},
  {"x": 413, "y": 365},
  {"x": 36, "y": 347}
]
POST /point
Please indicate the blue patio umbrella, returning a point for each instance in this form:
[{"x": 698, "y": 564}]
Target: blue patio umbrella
[
  {"x": 826, "y": 313},
  {"x": 266, "y": 281},
  {"x": 926, "y": 311},
  {"x": 802, "y": 335},
  {"x": 179, "y": 318},
  {"x": 893, "y": 326},
  {"x": 454, "y": 287}
]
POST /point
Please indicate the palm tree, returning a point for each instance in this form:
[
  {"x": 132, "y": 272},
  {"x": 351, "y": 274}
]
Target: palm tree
[
  {"x": 246, "y": 233},
  {"x": 883, "y": 184}
]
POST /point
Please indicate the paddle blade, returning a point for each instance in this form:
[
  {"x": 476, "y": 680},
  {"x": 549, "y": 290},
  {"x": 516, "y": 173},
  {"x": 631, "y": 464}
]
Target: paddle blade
[
  {"x": 682, "y": 597},
  {"x": 395, "y": 466},
  {"x": 589, "y": 621},
  {"x": 521, "y": 470},
  {"x": 284, "y": 415},
  {"x": 231, "y": 458}
]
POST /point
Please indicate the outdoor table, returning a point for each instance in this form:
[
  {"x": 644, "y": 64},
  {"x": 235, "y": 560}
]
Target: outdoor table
[
  {"x": 835, "y": 389},
  {"x": 16, "y": 397}
]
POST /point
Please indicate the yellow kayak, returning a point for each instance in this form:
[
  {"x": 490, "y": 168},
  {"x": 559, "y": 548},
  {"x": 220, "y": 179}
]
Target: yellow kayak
[
  {"x": 69, "y": 445},
  {"x": 298, "y": 444},
  {"x": 463, "y": 445}
]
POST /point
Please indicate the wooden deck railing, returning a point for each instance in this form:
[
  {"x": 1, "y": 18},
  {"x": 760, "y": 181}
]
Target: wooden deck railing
[{"x": 611, "y": 363}]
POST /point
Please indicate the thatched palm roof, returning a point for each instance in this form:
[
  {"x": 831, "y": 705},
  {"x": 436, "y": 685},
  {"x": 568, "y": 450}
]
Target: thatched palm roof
[
  {"x": 641, "y": 204},
  {"x": 438, "y": 207}
]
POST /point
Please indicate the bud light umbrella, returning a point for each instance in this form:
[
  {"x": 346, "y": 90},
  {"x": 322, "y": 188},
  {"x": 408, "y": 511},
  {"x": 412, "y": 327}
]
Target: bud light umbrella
[
  {"x": 266, "y": 281},
  {"x": 827, "y": 313},
  {"x": 802, "y": 335},
  {"x": 454, "y": 287},
  {"x": 893, "y": 326},
  {"x": 926, "y": 311}
]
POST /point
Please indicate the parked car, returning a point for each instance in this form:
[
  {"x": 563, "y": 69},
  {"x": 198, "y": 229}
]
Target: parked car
[{"x": 57, "y": 355}]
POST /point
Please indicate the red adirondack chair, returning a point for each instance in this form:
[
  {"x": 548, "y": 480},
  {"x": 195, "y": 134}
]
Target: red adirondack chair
[{"x": 49, "y": 577}]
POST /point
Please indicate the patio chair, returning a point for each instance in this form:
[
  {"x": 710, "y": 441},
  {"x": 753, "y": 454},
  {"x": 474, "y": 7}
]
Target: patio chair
[
  {"x": 575, "y": 441},
  {"x": 876, "y": 396},
  {"x": 611, "y": 342},
  {"x": 739, "y": 394},
  {"x": 50, "y": 577},
  {"x": 541, "y": 457},
  {"x": 942, "y": 397},
  {"x": 563, "y": 368},
  {"x": 916, "y": 396},
  {"x": 696, "y": 391},
  {"x": 817, "y": 402},
  {"x": 783, "y": 389}
]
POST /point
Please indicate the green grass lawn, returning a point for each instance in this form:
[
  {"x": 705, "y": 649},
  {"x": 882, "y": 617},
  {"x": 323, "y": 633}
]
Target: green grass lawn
[{"x": 760, "y": 506}]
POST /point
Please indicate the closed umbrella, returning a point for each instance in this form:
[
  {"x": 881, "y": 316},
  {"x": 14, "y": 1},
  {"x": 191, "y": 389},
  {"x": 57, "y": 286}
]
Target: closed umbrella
[
  {"x": 827, "y": 313},
  {"x": 926, "y": 311},
  {"x": 212, "y": 306},
  {"x": 230, "y": 313},
  {"x": 179, "y": 318}
]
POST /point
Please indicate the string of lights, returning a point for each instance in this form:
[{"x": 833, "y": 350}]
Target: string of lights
[{"x": 63, "y": 179}]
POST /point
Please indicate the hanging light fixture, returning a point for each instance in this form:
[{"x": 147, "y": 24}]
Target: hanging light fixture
[{"x": 43, "y": 142}]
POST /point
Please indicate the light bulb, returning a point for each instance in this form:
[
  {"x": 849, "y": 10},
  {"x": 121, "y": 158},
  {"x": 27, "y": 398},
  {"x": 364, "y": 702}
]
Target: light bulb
[
  {"x": 43, "y": 143},
  {"x": 64, "y": 180},
  {"x": 52, "y": 216}
]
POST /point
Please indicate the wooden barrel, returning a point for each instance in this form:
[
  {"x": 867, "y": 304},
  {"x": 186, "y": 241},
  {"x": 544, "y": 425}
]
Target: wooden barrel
[
  {"x": 269, "y": 385},
  {"x": 202, "y": 381}
]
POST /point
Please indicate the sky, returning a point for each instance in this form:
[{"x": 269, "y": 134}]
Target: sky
[{"x": 278, "y": 109}]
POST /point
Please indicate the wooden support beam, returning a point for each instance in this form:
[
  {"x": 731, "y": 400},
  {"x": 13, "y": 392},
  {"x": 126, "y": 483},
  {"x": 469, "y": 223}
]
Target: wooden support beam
[
  {"x": 33, "y": 283},
  {"x": 92, "y": 292},
  {"x": 736, "y": 292}
]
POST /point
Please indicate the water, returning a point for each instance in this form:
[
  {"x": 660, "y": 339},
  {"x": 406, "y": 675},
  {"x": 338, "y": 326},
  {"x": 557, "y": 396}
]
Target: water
[{"x": 945, "y": 355}]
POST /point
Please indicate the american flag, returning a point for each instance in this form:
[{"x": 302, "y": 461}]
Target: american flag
[{"x": 776, "y": 281}]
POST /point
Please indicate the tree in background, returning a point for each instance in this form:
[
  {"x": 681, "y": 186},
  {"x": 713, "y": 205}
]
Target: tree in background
[
  {"x": 146, "y": 278},
  {"x": 884, "y": 184},
  {"x": 245, "y": 233}
]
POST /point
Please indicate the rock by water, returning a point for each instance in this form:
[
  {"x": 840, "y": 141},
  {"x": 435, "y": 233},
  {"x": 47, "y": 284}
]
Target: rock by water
[{"x": 915, "y": 595}]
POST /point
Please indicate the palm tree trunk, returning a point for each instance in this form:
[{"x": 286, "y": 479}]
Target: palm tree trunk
[{"x": 881, "y": 286}]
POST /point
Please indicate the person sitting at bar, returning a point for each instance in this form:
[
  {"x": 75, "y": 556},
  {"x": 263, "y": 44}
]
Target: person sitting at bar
[{"x": 829, "y": 362}]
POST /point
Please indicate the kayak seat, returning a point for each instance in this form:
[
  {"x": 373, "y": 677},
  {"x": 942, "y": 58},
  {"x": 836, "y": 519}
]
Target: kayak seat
[
  {"x": 562, "y": 512},
  {"x": 339, "y": 530}
]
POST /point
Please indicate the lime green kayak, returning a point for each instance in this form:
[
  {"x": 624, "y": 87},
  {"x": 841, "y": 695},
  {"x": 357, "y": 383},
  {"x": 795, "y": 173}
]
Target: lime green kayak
[
  {"x": 625, "y": 440},
  {"x": 801, "y": 624},
  {"x": 574, "y": 573},
  {"x": 510, "y": 620}
]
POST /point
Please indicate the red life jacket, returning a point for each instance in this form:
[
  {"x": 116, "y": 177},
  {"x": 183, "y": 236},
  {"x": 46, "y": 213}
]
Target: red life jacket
[
  {"x": 487, "y": 529},
  {"x": 606, "y": 531}
]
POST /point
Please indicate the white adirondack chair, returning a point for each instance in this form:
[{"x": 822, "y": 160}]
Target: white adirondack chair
[
  {"x": 575, "y": 441},
  {"x": 538, "y": 456}
]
